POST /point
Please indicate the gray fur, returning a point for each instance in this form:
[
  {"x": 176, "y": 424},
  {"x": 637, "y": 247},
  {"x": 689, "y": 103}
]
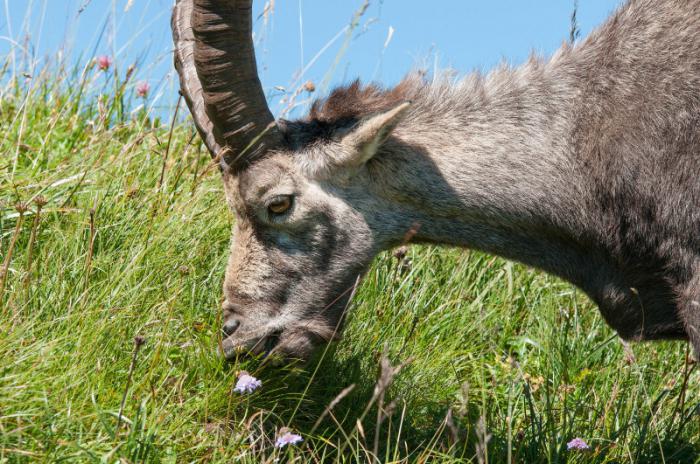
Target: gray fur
[{"x": 585, "y": 166}]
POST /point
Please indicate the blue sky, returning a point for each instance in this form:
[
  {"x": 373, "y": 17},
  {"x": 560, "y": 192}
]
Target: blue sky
[{"x": 304, "y": 34}]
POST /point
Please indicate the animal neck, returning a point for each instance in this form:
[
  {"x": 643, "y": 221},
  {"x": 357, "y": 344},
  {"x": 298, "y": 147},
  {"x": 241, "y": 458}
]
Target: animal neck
[{"x": 488, "y": 164}]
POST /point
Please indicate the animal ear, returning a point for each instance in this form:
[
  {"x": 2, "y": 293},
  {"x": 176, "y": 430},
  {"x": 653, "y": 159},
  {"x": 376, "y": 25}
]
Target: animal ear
[{"x": 362, "y": 141}]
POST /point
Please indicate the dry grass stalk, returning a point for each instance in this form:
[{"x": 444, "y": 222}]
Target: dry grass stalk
[
  {"x": 138, "y": 343},
  {"x": 91, "y": 245},
  {"x": 21, "y": 209},
  {"x": 345, "y": 392},
  {"x": 39, "y": 201},
  {"x": 170, "y": 139},
  {"x": 483, "y": 438}
]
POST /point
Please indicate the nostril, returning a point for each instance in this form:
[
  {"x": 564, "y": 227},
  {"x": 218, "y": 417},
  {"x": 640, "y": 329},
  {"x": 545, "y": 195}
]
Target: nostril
[{"x": 230, "y": 326}]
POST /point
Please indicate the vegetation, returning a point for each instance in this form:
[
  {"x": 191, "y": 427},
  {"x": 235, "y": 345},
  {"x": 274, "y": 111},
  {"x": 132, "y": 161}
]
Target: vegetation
[{"x": 113, "y": 241}]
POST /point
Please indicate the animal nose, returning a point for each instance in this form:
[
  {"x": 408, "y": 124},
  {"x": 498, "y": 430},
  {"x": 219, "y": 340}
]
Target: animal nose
[{"x": 230, "y": 326}]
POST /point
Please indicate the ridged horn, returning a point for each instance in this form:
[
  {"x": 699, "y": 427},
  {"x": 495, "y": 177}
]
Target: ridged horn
[{"x": 215, "y": 58}]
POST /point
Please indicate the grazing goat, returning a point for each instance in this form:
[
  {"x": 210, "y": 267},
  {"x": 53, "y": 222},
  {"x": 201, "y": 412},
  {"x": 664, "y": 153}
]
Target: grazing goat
[{"x": 585, "y": 166}]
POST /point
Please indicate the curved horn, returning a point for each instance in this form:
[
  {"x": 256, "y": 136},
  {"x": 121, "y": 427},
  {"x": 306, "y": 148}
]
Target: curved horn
[
  {"x": 215, "y": 59},
  {"x": 190, "y": 87}
]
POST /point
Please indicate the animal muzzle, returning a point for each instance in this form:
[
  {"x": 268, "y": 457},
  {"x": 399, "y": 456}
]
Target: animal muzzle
[{"x": 237, "y": 345}]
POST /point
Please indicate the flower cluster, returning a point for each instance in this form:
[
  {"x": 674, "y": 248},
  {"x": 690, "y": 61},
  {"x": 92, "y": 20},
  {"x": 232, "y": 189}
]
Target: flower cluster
[
  {"x": 286, "y": 437},
  {"x": 142, "y": 89},
  {"x": 104, "y": 62},
  {"x": 246, "y": 383},
  {"x": 577, "y": 444}
]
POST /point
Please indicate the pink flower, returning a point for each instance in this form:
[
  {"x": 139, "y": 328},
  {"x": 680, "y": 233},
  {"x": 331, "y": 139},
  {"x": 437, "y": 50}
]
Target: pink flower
[
  {"x": 104, "y": 62},
  {"x": 577, "y": 444},
  {"x": 142, "y": 89},
  {"x": 286, "y": 437},
  {"x": 246, "y": 383}
]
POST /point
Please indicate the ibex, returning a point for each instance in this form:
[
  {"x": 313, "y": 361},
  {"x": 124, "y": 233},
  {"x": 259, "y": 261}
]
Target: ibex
[{"x": 586, "y": 165}]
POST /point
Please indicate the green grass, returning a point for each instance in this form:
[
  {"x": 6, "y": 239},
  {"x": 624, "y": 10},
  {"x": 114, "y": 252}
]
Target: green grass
[{"x": 503, "y": 362}]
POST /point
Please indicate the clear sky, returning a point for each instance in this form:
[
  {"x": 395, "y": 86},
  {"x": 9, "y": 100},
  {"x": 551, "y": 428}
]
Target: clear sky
[{"x": 304, "y": 34}]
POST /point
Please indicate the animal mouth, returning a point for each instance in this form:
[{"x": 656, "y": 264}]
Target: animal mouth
[
  {"x": 271, "y": 342},
  {"x": 260, "y": 346}
]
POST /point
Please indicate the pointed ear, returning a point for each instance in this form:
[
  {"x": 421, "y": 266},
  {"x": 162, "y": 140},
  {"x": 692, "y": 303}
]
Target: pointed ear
[{"x": 361, "y": 142}]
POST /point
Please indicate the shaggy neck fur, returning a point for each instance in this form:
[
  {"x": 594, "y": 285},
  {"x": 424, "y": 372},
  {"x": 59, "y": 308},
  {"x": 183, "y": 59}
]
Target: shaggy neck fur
[
  {"x": 584, "y": 166},
  {"x": 578, "y": 166},
  {"x": 497, "y": 171}
]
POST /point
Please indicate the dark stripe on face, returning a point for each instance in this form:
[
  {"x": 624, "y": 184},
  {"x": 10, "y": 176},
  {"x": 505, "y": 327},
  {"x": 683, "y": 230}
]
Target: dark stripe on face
[{"x": 328, "y": 246}]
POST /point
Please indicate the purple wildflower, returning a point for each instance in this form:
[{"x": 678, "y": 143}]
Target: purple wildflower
[
  {"x": 577, "y": 444},
  {"x": 246, "y": 383},
  {"x": 286, "y": 437},
  {"x": 142, "y": 89},
  {"x": 104, "y": 62}
]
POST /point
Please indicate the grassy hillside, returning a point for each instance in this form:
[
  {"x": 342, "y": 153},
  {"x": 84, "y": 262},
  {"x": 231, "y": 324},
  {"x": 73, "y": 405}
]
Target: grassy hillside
[{"x": 112, "y": 227}]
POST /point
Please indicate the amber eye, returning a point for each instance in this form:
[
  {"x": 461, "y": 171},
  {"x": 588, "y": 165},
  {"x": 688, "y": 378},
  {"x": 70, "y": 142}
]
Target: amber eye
[{"x": 280, "y": 204}]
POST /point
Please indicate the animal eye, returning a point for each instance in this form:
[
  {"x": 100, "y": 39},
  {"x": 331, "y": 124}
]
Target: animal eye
[{"x": 280, "y": 204}]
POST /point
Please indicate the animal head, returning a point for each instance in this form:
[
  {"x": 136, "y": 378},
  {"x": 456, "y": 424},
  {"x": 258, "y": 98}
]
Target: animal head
[{"x": 308, "y": 209}]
